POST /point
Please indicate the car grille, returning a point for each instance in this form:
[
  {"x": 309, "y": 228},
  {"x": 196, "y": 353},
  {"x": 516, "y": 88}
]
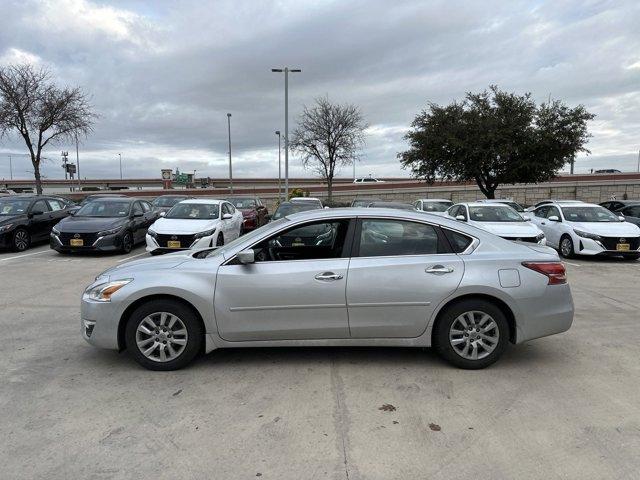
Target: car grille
[
  {"x": 522, "y": 239},
  {"x": 610, "y": 243},
  {"x": 185, "y": 240},
  {"x": 87, "y": 238}
]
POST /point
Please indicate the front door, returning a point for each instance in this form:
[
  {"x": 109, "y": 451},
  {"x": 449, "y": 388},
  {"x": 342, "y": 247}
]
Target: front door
[
  {"x": 41, "y": 221},
  {"x": 295, "y": 289},
  {"x": 400, "y": 272}
]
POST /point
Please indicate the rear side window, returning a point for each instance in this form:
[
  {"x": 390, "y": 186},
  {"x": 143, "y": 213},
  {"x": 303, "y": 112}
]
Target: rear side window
[
  {"x": 458, "y": 241},
  {"x": 382, "y": 237}
]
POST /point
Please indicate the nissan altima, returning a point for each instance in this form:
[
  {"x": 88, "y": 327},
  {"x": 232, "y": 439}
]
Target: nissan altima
[{"x": 372, "y": 277}]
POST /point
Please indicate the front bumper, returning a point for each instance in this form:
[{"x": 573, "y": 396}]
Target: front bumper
[
  {"x": 6, "y": 240},
  {"x": 204, "y": 242},
  {"x": 588, "y": 246},
  {"x": 99, "y": 323},
  {"x": 108, "y": 243}
]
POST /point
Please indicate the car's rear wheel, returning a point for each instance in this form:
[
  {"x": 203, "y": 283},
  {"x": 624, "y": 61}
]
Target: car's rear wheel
[
  {"x": 127, "y": 242},
  {"x": 471, "y": 334},
  {"x": 566, "y": 247},
  {"x": 21, "y": 240},
  {"x": 164, "y": 335}
]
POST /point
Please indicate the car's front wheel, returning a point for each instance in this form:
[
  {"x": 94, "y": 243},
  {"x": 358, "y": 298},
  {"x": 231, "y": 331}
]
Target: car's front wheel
[
  {"x": 127, "y": 242},
  {"x": 164, "y": 335},
  {"x": 21, "y": 240},
  {"x": 566, "y": 247},
  {"x": 471, "y": 334}
]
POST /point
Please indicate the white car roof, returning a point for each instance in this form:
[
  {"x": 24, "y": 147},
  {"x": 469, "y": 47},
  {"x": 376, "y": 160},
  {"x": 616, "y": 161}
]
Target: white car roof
[
  {"x": 304, "y": 199},
  {"x": 435, "y": 200},
  {"x": 483, "y": 204},
  {"x": 203, "y": 201},
  {"x": 574, "y": 204}
]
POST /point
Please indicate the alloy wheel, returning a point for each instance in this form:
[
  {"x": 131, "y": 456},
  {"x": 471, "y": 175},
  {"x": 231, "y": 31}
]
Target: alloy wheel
[
  {"x": 474, "y": 335},
  {"x": 21, "y": 240},
  {"x": 127, "y": 243},
  {"x": 161, "y": 337},
  {"x": 566, "y": 247}
]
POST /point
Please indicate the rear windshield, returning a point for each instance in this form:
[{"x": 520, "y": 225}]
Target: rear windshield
[
  {"x": 167, "y": 201},
  {"x": 243, "y": 202},
  {"x": 289, "y": 208}
]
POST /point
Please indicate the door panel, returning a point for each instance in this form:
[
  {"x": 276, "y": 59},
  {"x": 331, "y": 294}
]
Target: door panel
[
  {"x": 395, "y": 296},
  {"x": 281, "y": 300}
]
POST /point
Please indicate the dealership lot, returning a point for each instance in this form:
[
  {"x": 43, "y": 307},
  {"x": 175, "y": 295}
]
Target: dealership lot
[{"x": 560, "y": 407}]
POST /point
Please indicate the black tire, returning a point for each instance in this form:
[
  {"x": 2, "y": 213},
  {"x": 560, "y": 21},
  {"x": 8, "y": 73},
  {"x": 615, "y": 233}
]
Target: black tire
[
  {"x": 21, "y": 240},
  {"x": 446, "y": 319},
  {"x": 127, "y": 242},
  {"x": 195, "y": 334},
  {"x": 569, "y": 252},
  {"x": 220, "y": 240}
]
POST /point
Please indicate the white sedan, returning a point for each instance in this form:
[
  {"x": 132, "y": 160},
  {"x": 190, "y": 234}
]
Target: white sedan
[
  {"x": 587, "y": 229},
  {"x": 195, "y": 224},
  {"x": 499, "y": 219}
]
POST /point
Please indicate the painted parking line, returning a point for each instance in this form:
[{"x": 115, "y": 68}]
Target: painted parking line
[
  {"x": 132, "y": 256},
  {"x": 574, "y": 264},
  {"x": 25, "y": 255}
]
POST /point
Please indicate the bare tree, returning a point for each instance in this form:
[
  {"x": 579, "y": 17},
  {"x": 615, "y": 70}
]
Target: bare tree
[
  {"x": 41, "y": 112},
  {"x": 327, "y": 137}
]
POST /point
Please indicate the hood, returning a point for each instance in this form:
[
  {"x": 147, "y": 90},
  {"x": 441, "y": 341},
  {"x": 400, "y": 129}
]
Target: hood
[
  {"x": 509, "y": 229},
  {"x": 179, "y": 226},
  {"x": 608, "y": 229},
  {"x": 4, "y": 219},
  {"x": 162, "y": 262},
  {"x": 89, "y": 224}
]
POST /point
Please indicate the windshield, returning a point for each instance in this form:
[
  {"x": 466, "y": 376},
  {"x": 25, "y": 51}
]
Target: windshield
[
  {"x": 247, "y": 236},
  {"x": 588, "y": 214},
  {"x": 13, "y": 206},
  {"x": 167, "y": 201},
  {"x": 495, "y": 213},
  {"x": 289, "y": 208},
  {"x": 99, "y": 208},
  {"x": 243, "y": 202},
  {"x": 194, "y": 211},
  {"x": 436, "y": 206}
]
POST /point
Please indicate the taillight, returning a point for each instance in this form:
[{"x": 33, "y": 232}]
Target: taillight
[{"x": 554, "y": 271}]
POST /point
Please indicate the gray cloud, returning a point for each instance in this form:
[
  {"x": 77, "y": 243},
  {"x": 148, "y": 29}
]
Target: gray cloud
[{"x": 163, "y": 75}]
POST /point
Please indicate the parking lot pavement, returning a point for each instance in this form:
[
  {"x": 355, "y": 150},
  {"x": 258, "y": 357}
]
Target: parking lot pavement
[{"x": 561, "y": 407}]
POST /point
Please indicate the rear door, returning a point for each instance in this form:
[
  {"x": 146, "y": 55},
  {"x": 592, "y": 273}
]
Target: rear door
[
  {"x": 41, "y": 221},
  {"x": 399, "y": 272},
  {"x": 295, "y": 289}
]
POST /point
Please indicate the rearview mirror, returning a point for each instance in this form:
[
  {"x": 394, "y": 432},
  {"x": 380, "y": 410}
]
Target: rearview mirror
[
  {"x": 553, "y": 218},
  {"x": 461, "y": 218},
  {"x": 247, "y": 256}
]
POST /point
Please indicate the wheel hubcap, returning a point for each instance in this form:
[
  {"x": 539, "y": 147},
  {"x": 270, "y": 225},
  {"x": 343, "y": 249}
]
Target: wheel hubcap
[
  {"x": 161, "y": 337},
  {"x": 22, "y": 240},
  {"x": 566, "y": 246},
  {"x": 474, "y": 335}
]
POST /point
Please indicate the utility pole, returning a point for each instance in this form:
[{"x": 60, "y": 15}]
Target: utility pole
[
  {"x": 638, "y": 161},
  {"x": 286, "y": 71},
  {"x": 120, "y": 155},
  {"x": 65, "y": 159},
  {"x": 78, "y": 165},
  {"x": 279, "y": 170},
  {"x": 10, "y": 168},
  {"x": 230, "y": 166}
]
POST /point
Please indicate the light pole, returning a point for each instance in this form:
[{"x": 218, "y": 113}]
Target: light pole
[
  {"x": 638, "y": 161},
  {"x": 279, "y": 170},
  {"x": 286, "y": 71},
  {"x": 120, "y": 155},
  {"x": 78, "y": 164},
  {"x": 230, "y": 165},
  {"x": 10, "y": 168}
]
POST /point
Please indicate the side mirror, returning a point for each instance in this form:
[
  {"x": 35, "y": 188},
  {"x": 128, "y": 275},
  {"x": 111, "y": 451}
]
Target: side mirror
[
  {"x": 461, "y": 218},
  {"x": 553, "y": 218},
  {"x": 227, "y": 216},
  {"x": 136, "y": 215},
  {"x": 268, "y": 217},
  {"x": 621, "y": 218},
  {"x": 34, "y": 213},
  {"x": 527, "y": 218},
  {"x": 162, "y": 214},
  {"x": 246, "y": 257}
]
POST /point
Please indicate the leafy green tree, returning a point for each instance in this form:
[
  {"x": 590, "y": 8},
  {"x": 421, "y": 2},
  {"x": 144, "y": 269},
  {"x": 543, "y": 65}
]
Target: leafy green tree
[{"x": 495, "y": 138}]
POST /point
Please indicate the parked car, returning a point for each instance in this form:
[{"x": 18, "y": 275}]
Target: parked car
[
  {"x": 368, "y": 180},
  {"x": 100, "y": 196},
  {"x": 193, "y": 224},
  {"x": 515, "y": 205},
  {"x": 29, "y": 219},
  {"x": 254, "y": 212},
  {"x": 393, "y": 205},
  {"x": 547, "y": 202},
  {"x": 432, "y": 205},
  {"x": 5, "y": 192},
  {"x": 313, "y": 200},
  {"x": 287, "y": 208},
  {"x": 608, "y": 170},
  {"x": 587, "y": 229},
  {"x": 104, "y": 224},
  {"x": 630, "y": 212},
  {"x": 615, "y": 205},
  {"x": 163, "y": 203},
  {"x": 499, "y": 219},
  {"x": 364, "y": 201},
  {"x": 413, "y": 281}
]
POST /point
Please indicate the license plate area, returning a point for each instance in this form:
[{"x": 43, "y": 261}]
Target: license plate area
[
  {"x": 173, "y": 244},
  {"x": 76, "y": 242},
  {"x": 623, "y": 247}
]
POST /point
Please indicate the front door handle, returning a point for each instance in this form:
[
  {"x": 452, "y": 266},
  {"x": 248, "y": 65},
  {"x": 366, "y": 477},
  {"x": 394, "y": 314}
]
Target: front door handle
[
  {"x": 328, "y": 276},
  {"x": 438, "y": 269}
]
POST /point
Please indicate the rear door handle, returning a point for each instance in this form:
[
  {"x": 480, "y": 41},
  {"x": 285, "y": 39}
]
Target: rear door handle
[
  {"x": 438, "y": 269},
  {"x": 328, "y": 276}
]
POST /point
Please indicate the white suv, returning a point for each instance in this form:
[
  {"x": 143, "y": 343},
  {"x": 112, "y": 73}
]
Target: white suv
[{"x": 587, "y": 229}]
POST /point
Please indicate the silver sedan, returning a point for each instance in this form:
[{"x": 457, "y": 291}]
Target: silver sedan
[{"x": 361, "y": 277}]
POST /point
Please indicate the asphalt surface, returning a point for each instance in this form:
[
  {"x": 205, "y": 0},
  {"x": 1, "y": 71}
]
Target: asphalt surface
[{"x": 562, "y": 407}]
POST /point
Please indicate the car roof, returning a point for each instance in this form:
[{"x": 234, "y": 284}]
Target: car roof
[
  {"x": 203, "y": 201},
  {"x": 304, "y": 199},
  {"x": 174, "y": 195},
  {"x": 384, "y": 204},
  {"x": 482, "y": 204},
  {"x": 118, "y": 199},
  {"x": 495, "y": 200},
  {"x": 435, "y": 200}
]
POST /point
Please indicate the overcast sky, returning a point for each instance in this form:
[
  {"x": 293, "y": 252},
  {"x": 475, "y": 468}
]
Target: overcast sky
[{"x": 163, "y": 74}]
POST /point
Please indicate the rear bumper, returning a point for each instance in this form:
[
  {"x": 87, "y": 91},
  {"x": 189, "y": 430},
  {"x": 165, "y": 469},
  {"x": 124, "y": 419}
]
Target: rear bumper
[{"x": 548, "y": 317}]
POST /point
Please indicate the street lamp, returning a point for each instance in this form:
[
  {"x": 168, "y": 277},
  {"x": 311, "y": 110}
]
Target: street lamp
[
  {"x": 120, "y": 155},
  {"x": 230, "y": 168},
  {"x": 286, "y": 71},
  {"x": 279, "y": 170}
]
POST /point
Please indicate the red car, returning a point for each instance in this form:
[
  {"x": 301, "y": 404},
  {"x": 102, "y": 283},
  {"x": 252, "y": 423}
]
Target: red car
[{"x": 254, "y": 213}]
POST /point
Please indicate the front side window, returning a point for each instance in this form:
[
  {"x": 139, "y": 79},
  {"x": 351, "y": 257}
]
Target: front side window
[
  {"x": 553, "y": 212},
  {"x": 382, "y": 237},
  {"x": 588, "y": 214},
  {"x": 632, "y": 211},
  {"x": 194, "y": 211},
  {"x": 137, "y": 209},
  {"x": 146, "y": 206},
  {"x": 494, "y": 213},
  {"x": 312, "y": 241},
  {"x": 541, "y": 212}
]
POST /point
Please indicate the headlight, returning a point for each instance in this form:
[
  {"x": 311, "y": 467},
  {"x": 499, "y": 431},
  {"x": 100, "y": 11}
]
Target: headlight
[
  {"x": 592, "y": 236},
  {"x": 112, "y": 231},
  {"x": 55, "y": 231},
  {"x": 152, "y": 233},
  {"x": 6, "y": 228},
  {"x": 208, "y": 233},
  {"x": 103, "y": 291}
]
